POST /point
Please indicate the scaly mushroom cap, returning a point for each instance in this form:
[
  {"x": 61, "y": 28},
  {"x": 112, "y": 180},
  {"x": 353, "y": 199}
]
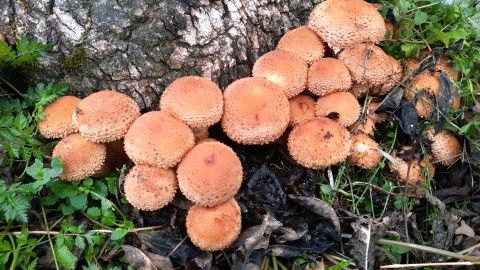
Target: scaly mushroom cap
[
  {"x": 424, "y": 104},
  {"x": 150, "y": 188},
  {"x": 81, "y": 158},
  {"x": 303, "y": 42},
  {"x": 302, "y": 108},
  {"x": 283, "y": 68},
  {"x": 195, "y": 100},
  {"x": 158, "y": 139},
  {"x": 214, "y": 228},
  {"x": 328, "y": 75},
  {"x": 58, "y": 120},
  {"x": 345, "y": 23},
  {"x": 256, "y": 111},
  {"x": 445, "y": 147},
  {"x": 444, "y": 65},
  {"x": 105, "y": 116},
  {"x": 210, "y": 174},
  {"x": 343, "y": 107},
  {"x": 319, "y": 143},
  {"x": 392, "y": 80},
  {"x": 373, "y": 70},
  {"x": 358, "y": 90},
  {"x": 418, "y": 168},
  {"x": 367, "y": 126},
  {"x": 376, "y": 117},
  {"x": 360, "y": 153}
]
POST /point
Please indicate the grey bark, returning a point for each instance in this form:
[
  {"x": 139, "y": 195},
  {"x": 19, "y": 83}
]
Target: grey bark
[{"x": 138, "y": 47}]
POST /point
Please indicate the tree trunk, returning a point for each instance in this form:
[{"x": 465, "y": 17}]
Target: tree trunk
[{"x": 138, "y": 47}]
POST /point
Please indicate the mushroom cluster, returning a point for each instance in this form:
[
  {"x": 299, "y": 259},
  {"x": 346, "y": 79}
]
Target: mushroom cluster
[{"x": 302, "y": 92}]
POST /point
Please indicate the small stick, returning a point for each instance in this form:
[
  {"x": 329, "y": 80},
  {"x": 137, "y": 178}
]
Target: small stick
[{"x": 415, "y": 265}]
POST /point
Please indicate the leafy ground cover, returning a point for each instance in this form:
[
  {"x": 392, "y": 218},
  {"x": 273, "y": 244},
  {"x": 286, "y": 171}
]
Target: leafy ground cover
[{"x": 293, "y": 218}]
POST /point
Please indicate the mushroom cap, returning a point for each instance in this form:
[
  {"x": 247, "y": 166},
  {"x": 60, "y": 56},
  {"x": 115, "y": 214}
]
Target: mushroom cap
[
  {"x": 303, "y": 42},
  {"x": 319, "y": 143},
  {"x": 81, "y": 158},
  {"x": 195, "y": 100},
  {"x": 158, "y": 139},
  {"x": 412, "y": 64},
  {"x": 358, "y": 90},
  {"x": 375, "y": 71},
  {"x": 360, "y": 155},
  {"x": 150, "y": 188},
  {"x": 417, "y": 167},
  {"x": 328, "y": 75},
  {"x": 367, "y": 126},
  {"x": 424, "y": 104},
  {"x": 116, "y": 157},
  {"x": 302, "y": 108},
  {"x": 214, "y": 228},
  {"x": 344, "y": 23},
  {"x": 105, "y": 116},
  {"x": 283, "y": 68},
  {"x": 393, "y": 79},
  {"x": 256, "y": 111},
  {"x": 343, "y": 107},
  {"x": 446, "y": 148},
  {"x": 58, "y": 120},
  {"x": 444, "y": 65},
  {"x": 376, "y": 117},
  {"x": 210, "y": 174},
  {"x": 200, "y": 133}
]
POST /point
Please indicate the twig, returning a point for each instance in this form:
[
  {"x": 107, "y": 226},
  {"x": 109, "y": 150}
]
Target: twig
[
  {"x": 177, "y": 246},
  {"x": 11, "y": 86},
  {"x": 48, "y": 235},
  {"x": 96, "y": 222},
  {"x": 429, "y": 250},
  {"x": 96, "y": 261},
  {"x": 421, "y": 36},
  {"x": 415, "y": 265},
  {"x": 384, "y": 190},
  {"x": 90, "y": 231}
]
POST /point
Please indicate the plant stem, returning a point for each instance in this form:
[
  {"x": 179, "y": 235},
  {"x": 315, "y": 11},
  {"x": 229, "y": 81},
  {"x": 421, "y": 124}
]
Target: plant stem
[
  {"x": 103, "y": 198},
  {"x": 16, "y": 253},
  {"x": 49, "y": 238},
  {"x": 6, "y": 230},
  {"x": 11, "y": 86}
]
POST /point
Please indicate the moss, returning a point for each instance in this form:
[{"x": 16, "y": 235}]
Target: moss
[{"x": 77, "y": 60}]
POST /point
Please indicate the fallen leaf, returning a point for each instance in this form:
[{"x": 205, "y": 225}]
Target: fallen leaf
[
  {"x": 144, "y": 260},
  {"x": 465, "y": 230}
]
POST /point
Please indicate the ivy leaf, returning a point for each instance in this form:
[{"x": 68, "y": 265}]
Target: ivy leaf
[
  {"x": 65, "y": 257},
  {"x": 420, "y": 17}
]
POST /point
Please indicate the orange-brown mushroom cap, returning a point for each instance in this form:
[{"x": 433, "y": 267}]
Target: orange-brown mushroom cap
[
  {"x": 362, "y": 153},
  {"x": 303, "y": 42},
  {"x": 344, "y": 23},
  {"x": 210, "y": 174},
  {"x": 256, "y": 111},
  {"x": 105, "y": 116},
  {"x": 283, "y": 68},
  {"x": 302, "y": 108},
  {"x": 58, "y": 120},
  {"x": 319, "y": 143},
  {"x": 445, "y": 147},
  {"x": 328, "y": 75},
  {"x": 418, "y": 167},
  {"x": 150, "y": 188},
  {"x": 158, "y": 139},
  {"x": 431, "y": 86},
  {"x": 195, "y": 100},
  {"x": 343, "y": 107},
  {"x": 81, "y": 158},
  {"x": 214, "y": 228}
]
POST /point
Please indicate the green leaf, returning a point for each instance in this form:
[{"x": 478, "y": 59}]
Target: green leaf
[
  {"x": 442, "y": 36},
  {"x": 420, "y": 17},
  {"x": 35, "y": 170},
  {"x": 79, "y": 201},
  {"x": 57, "y": 167},
  {"x": 399, "y": 250},
  {"x": 66, "y": 209},
  {"x": 94, "y": 212},
  {"x": 80, "y": 242},
  {"x": 326, "y": 189},
  {"x": 108, "y": 218},
  {"x": 65, "y": 257},
  {"x": 118, "y": 233}
]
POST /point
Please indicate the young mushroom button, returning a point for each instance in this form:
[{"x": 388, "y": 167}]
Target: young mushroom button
[{"x": 58, "y": 119}]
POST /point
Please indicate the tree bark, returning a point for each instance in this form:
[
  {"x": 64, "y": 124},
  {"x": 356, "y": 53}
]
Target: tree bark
[{"x": 138, "y": 47}]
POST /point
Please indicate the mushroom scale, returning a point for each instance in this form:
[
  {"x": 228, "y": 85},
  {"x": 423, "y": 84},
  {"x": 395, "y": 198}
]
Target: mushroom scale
[
  {"x": 105, "y": 116},
  {"x": 210, "y": 174},
  {"x": 256, "y": 111},
  {"x": 214, "y": 228},
  {"x": 150, "y": 188},
  {"x": 158, "y": 139},
  {"x": 319, "y": 143},
  {"x": 58, "y": 120},
  {"x": 81, "y": 158}
]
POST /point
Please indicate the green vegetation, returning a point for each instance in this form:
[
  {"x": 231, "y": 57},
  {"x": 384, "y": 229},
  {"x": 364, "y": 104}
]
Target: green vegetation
[{"x": 77, "y": 60}]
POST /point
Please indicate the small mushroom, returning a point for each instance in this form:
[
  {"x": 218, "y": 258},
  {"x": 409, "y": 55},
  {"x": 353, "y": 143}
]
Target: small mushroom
[
  {"x": 430, "y": 85},
  {"x": 58, "y": 120},
  {"x": 303, "y": 42},
  {"x": 150, "y": 188},
  {"x": 342, "y": 107},
  {"x": 328, "y": 75},
  {"x": 446, "y": 148},
  {"x": 210, "y": 174},
  {"x": 302, "y": 108},
  {"x": 418, "y": 166},
  {"x": 362, "y": 154},
  {"x": 214, "y": 228}
]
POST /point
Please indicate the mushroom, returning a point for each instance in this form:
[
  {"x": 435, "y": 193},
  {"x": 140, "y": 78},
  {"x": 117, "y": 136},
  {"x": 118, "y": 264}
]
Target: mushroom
[
  {"x": 256, "y": 111},
  {"x": 81, "y": 158},
  {"x": 446, "y": 148},
  {"x": 424, "y": 103},
  {"x": 150, "y": 188},
  {"x": 362, "y": 154},
  {"x": 105, "y": 116},
  {"x": 58, "y": 120},
  {"x": 393, "y": 79},
  {"x": 158, "y": 139},
  {"x": 302, "y": 108},
  {"x": 214, "y": 228},
  {"x": 366, "y": 126},
  {"x": 195, "y": 100},
  {"x": 319, "y": 143},
  {"x": 210, "y": 174},
  {"x": 303, "y": 42},
  {"x": 345, "y": 23},
  {"x": 285, "y": 69},
  {"x": 342, "y": 107},
  {"x": 418, "y": 166},
  {"x": 328, "y": 75}
]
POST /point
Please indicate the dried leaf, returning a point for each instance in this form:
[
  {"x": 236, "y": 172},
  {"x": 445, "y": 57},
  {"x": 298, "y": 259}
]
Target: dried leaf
[
  {"x": 400, "y": 109},
  {"x": 145, "y": 260},
  {"x": 444, "y": 103},
  {"x": 465, "y": 230}
]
